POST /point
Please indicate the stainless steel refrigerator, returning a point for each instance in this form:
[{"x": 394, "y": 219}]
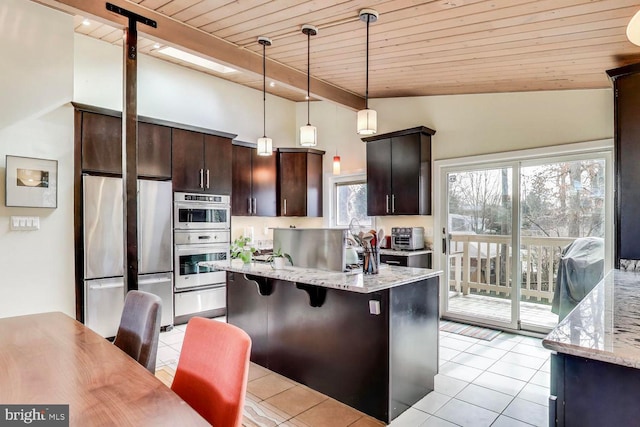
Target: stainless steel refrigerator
[{"x": 104, "y": 289}]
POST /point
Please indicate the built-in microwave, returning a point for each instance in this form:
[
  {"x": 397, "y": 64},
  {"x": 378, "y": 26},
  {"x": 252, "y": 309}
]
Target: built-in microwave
[{"x": 201, "y": 211}]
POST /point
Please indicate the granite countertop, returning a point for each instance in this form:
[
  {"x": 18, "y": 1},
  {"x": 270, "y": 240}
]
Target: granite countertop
[
  {"x": 605, "y": 325},
  {"x": 404, "y": 253},
  {"x": 388, "y": 276}
]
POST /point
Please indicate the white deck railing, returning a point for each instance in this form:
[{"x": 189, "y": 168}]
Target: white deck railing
[{"x": 481, "y": 264}]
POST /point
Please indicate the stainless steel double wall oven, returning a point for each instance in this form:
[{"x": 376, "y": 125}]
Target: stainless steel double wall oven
[{"x": 201, "y": 233}]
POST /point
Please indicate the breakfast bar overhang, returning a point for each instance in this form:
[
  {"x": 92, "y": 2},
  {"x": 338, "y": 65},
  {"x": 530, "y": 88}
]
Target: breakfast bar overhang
[{"x": 369, "y": 341}]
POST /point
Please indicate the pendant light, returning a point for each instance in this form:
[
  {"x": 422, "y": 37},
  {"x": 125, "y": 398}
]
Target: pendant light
[
  {"x": 633, "y": 29},
  {"x": 336, "y": 164},
  {"x": 265, "y": 145},
  {"x": 308, "y": 133},
  {"x": 367, "y": 119}
]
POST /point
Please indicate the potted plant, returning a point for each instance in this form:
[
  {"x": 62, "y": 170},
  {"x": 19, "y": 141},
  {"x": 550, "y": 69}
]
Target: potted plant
[
  {"x": 277, "y": 259},
  {"x": 241, "y": 249}
]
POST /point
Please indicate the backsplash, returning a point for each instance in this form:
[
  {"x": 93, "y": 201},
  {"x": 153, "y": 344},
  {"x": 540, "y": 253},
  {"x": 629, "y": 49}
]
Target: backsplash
[{"x": 260, "y": 228}]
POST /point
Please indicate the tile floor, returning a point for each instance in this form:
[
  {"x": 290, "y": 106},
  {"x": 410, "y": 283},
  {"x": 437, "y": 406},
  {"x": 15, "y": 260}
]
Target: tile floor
[{"x": 503, "y": 382}]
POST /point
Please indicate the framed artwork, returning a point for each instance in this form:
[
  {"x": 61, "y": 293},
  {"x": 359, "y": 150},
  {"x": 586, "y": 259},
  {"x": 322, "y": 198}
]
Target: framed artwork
[{"x": 31, "y": 182}]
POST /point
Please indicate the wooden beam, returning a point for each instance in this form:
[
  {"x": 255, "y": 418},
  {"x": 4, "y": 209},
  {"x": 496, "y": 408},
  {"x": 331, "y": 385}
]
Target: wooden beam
[
  {"x": 185, "y": 37},
  {"x": 130, "y": 156}
]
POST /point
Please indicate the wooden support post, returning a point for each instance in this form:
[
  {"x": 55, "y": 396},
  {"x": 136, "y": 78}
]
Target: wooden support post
[{"x": 130, "y": 144}]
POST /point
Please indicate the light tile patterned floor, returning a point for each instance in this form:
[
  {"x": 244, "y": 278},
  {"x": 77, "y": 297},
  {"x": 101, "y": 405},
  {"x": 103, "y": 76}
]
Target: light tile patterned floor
[{"x": 504, "y": 382}]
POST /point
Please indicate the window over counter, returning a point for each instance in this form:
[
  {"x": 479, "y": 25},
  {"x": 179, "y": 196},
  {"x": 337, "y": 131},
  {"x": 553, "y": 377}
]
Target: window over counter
[{"x": 349, "y": 201}]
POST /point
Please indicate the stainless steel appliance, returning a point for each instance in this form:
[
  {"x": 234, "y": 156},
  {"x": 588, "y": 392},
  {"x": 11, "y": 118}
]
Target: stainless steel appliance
[
  {"x": 201, "y": 212},
  {"x": 104, "y": 249},
  {"x": 200, "y": 290},
  {"x": 322, "y": 248},
  {"x": 407, "y": 238}
]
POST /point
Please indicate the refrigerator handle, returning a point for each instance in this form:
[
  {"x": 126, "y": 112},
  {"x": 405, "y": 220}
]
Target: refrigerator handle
[{"x": 116, "y": 285}]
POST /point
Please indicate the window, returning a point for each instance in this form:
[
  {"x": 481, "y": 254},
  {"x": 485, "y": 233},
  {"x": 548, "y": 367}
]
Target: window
[{"x": 349, "y": 201}]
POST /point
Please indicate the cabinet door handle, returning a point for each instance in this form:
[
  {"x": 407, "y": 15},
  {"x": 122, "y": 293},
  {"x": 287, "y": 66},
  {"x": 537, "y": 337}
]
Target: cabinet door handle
[
  {"x": 207, "y": 178},
  {"x": 285, "y": 206},
  {"x": 393, "y": 203},
  {"x": 392, "y": 262},
  {"x": 249, "y": 200},
  {"x": 386, "y": 203},
  {"x": 201, "y": 178},
  {"x": 255, "y": 206}
]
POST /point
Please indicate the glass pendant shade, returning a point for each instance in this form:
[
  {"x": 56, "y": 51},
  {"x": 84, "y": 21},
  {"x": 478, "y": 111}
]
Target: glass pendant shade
[
  {"x": 336, "y": 165},
  {"x": 367, "y": 122},
  {"x": 633, "y": 29},
  {"x": 308, "y": 136},
  {"x": 265, "y": 146}
]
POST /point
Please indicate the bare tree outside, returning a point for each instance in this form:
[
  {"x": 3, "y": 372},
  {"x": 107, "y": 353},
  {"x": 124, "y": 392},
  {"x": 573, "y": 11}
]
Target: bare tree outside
[
  {"x": 352, "y": 204},
  {"x": 561, "y": 201}
]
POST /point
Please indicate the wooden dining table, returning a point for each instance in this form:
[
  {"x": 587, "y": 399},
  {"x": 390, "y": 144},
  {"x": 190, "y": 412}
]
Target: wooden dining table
[{"x": 50, "y": 358}]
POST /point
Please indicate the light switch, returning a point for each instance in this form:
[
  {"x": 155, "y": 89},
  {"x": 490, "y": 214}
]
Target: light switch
[{"x": 25, "y": 223}]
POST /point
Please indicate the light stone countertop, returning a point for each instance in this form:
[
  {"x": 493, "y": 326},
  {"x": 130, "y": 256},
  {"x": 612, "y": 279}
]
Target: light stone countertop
[
  {"x": 605, "y": 325},
  {"x": 388, "y": 276}
]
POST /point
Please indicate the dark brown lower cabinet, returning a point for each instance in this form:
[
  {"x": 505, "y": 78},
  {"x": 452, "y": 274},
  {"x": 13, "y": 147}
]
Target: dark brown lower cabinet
[
  {"x": 408, "y": 260},
  {"x": 328, "y": 340},
  {"x": 587, "y": 392}
]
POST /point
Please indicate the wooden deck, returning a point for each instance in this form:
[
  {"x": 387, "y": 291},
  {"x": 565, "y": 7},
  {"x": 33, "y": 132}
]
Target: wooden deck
[{"x": 499, "y": 309}]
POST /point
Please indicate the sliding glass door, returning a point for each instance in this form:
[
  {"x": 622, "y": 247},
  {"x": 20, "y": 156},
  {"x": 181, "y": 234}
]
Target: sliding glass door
[
  {"x": 479, "y": 245},
  {"x": 505, "y": 229}
]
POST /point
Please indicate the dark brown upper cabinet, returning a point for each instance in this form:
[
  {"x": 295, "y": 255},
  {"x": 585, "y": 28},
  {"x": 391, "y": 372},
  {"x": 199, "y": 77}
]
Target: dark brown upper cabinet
[
  {"x": 399, "y": 172},
  {"x": 101, "y": 138},
  {"x": 201, "y": 162},
  {"x": 626, "y": 89},
  {"x": 101, "y": 144},
  {"x": 254, "y": 182},
  {"x": 154, "y": 151},
  {"x": 299, "y": 182}
]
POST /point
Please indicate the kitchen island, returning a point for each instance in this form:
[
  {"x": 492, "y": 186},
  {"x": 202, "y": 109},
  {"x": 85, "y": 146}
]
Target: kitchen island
[
  {"x": 370, "y": 341},
  {"x": 595, "y": 375}
]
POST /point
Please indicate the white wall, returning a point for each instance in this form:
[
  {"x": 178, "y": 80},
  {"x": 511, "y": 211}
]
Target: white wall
[
  {"x": 465, "y": 125},
  {"x": 37, "y": 70},
  {"x": 468, "y": 125},
  {"x": 37, "y": 47},
  {"x": 170, "y": 92}
]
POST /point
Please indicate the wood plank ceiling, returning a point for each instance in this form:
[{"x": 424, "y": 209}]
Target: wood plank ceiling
[{"x": 440, "y": 47}]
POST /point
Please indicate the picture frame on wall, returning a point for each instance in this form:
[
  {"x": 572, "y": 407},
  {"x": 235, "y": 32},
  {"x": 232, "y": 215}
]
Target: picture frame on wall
[{"x": 31, "y": 182}]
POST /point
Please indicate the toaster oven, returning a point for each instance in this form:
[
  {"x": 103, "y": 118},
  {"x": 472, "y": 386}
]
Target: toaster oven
[{"x": 407, "y": 238}]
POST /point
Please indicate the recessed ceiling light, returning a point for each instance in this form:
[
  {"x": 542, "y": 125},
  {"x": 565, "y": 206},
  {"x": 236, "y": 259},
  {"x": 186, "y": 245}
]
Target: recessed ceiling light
[
  {"x": 86, "y": 22},
  {"x": 272, "y": 84},
  {"x": 156, "y": 45},
  {"x": 196, "y": 60}
]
